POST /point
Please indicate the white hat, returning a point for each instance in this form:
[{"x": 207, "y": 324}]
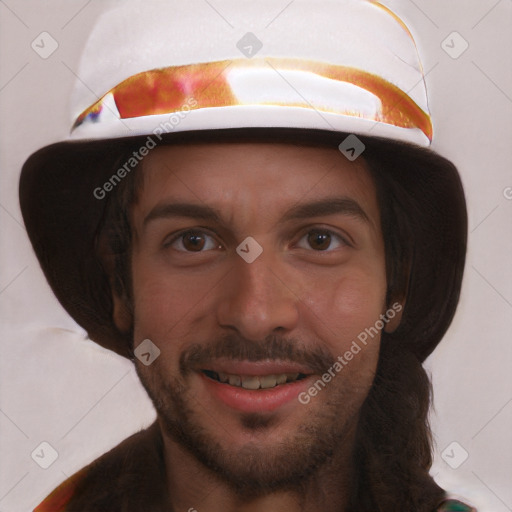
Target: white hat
[
  {"x": 166, "y": 65},
  {"x": 313, "y": 71}
]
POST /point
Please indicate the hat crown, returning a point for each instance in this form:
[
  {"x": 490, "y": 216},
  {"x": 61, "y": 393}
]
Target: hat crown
[{"x": 133, "y": 36}]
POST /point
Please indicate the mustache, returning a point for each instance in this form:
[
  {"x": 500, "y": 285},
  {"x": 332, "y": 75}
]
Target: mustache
[{"x": 273, "y": 347}]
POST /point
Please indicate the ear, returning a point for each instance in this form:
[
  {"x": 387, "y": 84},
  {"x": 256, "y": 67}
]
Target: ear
[
  {"x": 121, "y": 314},
  {"x": 394, "y": 314},
  {"x": 397, "y": 301},
  {"x": 121, "y": 311}
]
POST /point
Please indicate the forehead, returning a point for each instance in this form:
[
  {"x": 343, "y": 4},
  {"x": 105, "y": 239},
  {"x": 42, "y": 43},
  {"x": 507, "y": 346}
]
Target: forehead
[{"x": 235, "y": 177}]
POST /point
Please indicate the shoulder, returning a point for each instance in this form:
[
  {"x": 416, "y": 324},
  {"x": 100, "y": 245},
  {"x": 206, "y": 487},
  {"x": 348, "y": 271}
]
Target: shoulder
[
  {"x": 454, "y": 506},
  {"x": 135, "y": 466},
  {"x": 60, "y": 497}
]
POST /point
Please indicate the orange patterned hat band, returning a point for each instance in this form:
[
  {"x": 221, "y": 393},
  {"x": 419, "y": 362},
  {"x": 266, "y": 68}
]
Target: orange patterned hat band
[{"x": 282, "y": 82}]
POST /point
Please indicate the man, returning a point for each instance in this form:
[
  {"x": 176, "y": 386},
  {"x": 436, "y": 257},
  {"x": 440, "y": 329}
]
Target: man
[{"x": 269, "y": 243}]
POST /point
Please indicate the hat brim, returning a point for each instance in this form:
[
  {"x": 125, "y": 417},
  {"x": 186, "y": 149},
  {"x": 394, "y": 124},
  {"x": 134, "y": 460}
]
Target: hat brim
[{"x": 62, "y": 215}]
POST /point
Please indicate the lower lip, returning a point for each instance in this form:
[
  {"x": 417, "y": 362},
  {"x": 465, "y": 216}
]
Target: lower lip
[{"x": 258, "y": 400}]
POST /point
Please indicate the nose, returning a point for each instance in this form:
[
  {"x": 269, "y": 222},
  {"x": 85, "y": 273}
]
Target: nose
[{"x": 257, "y": 301}]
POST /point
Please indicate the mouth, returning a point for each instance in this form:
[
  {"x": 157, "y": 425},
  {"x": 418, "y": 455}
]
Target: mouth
[
  {"x": 254, "y": 382},
  {"x": 255, "y": 386}
]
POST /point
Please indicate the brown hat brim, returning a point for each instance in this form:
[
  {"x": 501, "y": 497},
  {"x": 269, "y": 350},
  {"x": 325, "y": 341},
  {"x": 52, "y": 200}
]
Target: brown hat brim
[{"x": 62, "y": 215}]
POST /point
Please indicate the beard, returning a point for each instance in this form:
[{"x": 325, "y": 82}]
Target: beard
[{"x": 256, "y": 468}]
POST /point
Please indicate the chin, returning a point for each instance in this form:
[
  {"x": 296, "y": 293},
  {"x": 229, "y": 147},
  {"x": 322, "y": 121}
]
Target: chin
[{"x": 258, "y": 453}]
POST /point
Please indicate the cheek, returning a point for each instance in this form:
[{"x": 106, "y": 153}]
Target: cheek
[
  {"x": 165, "y": 304},
  {"x": 343, "y": 313},
  {"x": 345, "y": 309}
]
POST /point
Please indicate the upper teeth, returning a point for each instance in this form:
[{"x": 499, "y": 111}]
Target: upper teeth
[{"x": 253, "y": 382}]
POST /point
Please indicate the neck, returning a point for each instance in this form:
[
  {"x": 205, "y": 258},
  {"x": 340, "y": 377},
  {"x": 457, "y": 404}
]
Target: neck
[{"x": 195, "y": 487}]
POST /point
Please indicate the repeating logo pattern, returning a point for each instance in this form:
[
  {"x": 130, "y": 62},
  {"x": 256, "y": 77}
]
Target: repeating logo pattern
[{"x": 471, "y": 46}]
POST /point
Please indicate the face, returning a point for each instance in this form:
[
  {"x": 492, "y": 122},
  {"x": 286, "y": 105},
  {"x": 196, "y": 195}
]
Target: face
[{"x": 255, "y": 268}]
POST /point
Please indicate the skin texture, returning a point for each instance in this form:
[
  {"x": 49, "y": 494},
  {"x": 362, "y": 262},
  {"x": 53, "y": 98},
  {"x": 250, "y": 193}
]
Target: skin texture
[{"x": 304, "y": 300}]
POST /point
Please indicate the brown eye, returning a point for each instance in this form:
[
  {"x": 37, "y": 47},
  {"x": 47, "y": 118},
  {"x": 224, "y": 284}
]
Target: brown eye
[
  {"x": 318, "y": 240},
  {"x": 193, "y": 241},
  {"x": 322, "y": 240}
]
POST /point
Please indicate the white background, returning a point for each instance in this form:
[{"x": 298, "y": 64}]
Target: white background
[{"x": 58, "y": 387}]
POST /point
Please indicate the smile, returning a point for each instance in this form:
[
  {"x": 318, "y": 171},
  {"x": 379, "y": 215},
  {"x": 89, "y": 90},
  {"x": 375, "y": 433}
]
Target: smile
[
  {"x": 254, "y": 386},
  {"x": 254, "y": 382}
]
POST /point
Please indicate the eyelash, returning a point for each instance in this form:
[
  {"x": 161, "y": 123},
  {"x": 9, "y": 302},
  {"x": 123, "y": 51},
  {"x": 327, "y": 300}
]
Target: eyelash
[
  {"x": 342, "y": 239},
  {"x": 179, "y": 236}
]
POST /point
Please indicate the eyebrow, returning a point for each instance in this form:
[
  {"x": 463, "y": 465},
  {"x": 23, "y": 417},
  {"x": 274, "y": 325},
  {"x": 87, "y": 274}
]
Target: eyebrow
[
  {"x": 196, "y": 211},
  {"x": 331, "y": 206},
  {"x": 323, "y": 207}
]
